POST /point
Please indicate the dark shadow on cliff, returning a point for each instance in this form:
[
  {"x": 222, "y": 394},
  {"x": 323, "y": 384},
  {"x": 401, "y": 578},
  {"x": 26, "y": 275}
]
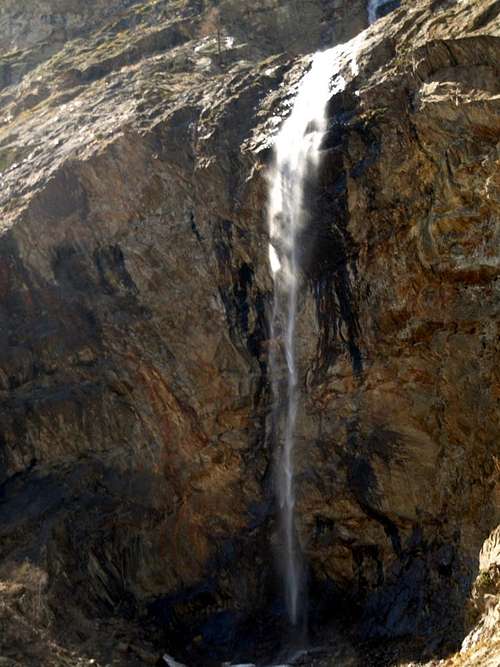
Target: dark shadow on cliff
[
  {"x": 329, "y": 254},
  {"x": 412, "y": 605}
]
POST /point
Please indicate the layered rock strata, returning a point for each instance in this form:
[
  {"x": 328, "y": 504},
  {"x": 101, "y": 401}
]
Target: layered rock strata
[{"x": 137, "y": 508}]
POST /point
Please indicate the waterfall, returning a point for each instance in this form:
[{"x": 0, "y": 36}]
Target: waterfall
[
  {"x": 296, "y": 159},
  {"x": 297, "y": 156}
]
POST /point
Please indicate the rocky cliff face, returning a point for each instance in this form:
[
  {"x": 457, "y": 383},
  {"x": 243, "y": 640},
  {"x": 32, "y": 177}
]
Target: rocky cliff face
[{"x": 137, "y": 509}]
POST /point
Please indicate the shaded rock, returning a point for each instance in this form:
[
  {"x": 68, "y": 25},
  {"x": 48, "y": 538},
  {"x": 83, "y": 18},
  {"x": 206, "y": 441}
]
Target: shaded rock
[{"x": 135, "y": 471}]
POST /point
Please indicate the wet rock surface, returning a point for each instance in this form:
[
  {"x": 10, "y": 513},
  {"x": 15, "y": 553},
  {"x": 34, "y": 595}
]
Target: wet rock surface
[{"x": 136, "y": 498}]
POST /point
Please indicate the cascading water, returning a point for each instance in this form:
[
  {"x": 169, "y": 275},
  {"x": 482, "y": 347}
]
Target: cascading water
[{"x": 297, "y": 155}]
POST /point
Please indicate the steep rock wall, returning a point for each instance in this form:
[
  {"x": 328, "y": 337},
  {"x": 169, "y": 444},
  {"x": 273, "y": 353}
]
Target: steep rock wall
[{"x": 136, "y": 473}]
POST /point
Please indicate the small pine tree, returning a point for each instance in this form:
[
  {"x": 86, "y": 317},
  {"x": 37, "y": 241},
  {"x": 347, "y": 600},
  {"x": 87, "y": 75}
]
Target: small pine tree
[{"x": 212, "y": 25}]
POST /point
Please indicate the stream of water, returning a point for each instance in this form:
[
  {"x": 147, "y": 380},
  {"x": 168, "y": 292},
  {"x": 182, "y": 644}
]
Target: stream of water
[{"x": 297, "y": 155}]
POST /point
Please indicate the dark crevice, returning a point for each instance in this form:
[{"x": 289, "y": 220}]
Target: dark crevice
[
  {"x": 387, "y": 8},
  {"x": 244, "y": 303},
  {"x": 194, "y": 228}
]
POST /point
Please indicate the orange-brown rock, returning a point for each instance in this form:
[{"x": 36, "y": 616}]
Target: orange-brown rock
[{"x": 136, "y": 502}]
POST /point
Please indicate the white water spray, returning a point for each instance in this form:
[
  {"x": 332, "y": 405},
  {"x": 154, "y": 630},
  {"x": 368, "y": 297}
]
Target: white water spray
[
  {"x": 297, "y": 153},
  {"x": 297, "y": 156}
]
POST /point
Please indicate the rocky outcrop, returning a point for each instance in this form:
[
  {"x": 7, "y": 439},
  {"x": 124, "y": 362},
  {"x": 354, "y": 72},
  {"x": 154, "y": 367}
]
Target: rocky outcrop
[
  {"x": 32, "y": 33},
  {"x": 406, "y": 291},
  {"x": 137, "y": 507},
  {"x": 482, "y": 645}
]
